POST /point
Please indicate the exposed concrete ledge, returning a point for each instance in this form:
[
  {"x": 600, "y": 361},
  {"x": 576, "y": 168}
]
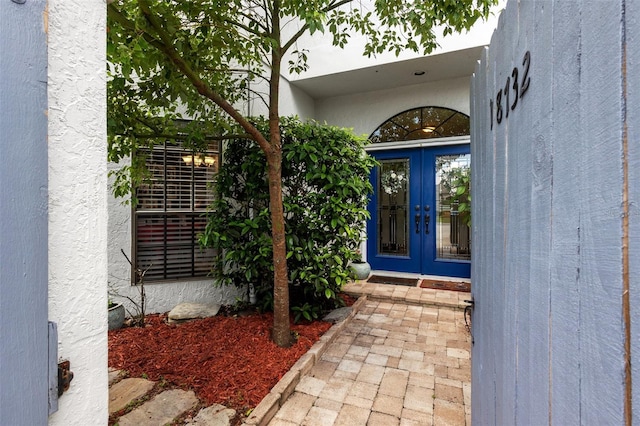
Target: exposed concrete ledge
[{"x": 278, "y": 395}]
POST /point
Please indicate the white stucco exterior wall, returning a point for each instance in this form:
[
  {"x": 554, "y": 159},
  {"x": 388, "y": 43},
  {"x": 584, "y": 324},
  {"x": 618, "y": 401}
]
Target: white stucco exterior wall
[
  {"x": 78, "y": 204},
  {"x": 292, "y": 101},
  {"x": 364, "y": 112},
  {"x": 324, "y": 58}
]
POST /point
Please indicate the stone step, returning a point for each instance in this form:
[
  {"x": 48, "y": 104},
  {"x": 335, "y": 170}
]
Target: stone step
[
  {"x": 161, "y": 409},
  {"x": 115, "y": 375},
  {"x": 215, "y": 415},
  {"x": 125, "y": 391}
]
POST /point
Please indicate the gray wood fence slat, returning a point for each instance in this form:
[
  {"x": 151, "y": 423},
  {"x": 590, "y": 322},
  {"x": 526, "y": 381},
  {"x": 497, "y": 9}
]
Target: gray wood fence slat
[
  {"x": 599, "y": 201},
  {"x": 565, "y": 246},
  {"x": 632, "y": 34},
  {"x": 482, "y": 213},
  {"x": 23, "y": 214}
]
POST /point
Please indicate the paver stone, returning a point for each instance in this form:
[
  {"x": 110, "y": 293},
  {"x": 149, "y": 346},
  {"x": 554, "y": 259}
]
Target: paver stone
[
  {"x": 127, "y": 390},
  {"x": 162, "y": 409},
  {"x": 215, "y": 415}
]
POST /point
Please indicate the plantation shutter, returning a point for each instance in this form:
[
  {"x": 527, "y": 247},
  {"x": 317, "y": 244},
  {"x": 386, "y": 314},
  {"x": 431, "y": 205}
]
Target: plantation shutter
[{"x": 169, "y": 214}]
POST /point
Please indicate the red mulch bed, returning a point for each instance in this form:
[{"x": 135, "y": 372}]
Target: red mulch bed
[
  {"x": 229, "y": 360},
  {"x": 226, "y": 360}
]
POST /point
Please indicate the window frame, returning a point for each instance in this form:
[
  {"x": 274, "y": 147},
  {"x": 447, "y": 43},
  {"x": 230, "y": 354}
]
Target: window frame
[
  {"x": 173, "y": 213},
  {"x": 422, "y": 123}
]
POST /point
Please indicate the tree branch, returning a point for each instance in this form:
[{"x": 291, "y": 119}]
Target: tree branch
[
  {"x": 335, "y": 5},
  {"x": 261, "y": 96},
  {"x": 238, "y": 71},
  {"x": 116, "y": 15},
  {"x": 202, "y": 88},
  {"x": 305, "y": 27},
  {"x": 181, "y": 137},
  {"x": 295, "y": 38},
  {"x": 258, "y": 24}
]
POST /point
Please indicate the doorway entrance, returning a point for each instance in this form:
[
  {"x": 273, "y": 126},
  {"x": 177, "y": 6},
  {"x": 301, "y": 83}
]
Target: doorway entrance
[
  {"x": 420, "y": 217},
  {"x": 420, "y": 210}
]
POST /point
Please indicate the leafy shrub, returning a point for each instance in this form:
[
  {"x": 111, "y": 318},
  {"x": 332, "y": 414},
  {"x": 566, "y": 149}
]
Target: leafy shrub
[{"x": 326, "y": 188}]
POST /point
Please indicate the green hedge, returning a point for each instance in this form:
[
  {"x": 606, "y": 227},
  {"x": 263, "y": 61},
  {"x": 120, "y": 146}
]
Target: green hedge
[{"x": 326, "y": 189}]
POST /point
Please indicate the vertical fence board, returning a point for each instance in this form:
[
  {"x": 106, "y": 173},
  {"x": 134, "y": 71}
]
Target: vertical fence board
[
  {"x": 517, "y": 216},
  {"x": 534, "y": 125},
  {"x": 599, "y": 202},
  {"x": 482, "y": 214},
  {"x": 23, "y": 214},
  {"x": 565, "y": 230},
  {"x": 502, "y": 311},
  {"x": 632, "y": 97}
]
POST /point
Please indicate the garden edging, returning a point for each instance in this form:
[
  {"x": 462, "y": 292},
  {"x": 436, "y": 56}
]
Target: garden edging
[{"x": 270, "y": 404}]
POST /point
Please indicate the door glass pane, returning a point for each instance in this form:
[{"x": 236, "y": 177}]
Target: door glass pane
[
  {"x": 453, "y": 209},
  {"x": 392, "y": 208}
]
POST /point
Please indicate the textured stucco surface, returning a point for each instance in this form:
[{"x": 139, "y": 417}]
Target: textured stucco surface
[
  {"x": 78, "y": 204},
  {"x": 364, "y": 112},
  {"x": 324, "y": 58}
]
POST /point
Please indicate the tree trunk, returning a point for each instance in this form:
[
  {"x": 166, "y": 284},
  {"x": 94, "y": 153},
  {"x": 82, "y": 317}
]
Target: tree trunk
[{"x": 281, "y": 330}]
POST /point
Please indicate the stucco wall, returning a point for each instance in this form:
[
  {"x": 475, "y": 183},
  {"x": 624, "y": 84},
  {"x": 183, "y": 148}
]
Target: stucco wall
[
  {"x": 364, "y": 112},
  {"x": 324, "y": 58},
  {"x": 78, "y": 204},
  {"x": 292, "y": 101}
]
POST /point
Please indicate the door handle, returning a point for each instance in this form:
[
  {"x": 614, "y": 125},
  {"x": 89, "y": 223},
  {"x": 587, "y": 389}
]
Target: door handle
[
  {"x": 417, "y": 219},
  {"x": 427, "y": 219}
]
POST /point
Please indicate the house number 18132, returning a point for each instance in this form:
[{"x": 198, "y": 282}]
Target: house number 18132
[{"x": 507, "y": 98}]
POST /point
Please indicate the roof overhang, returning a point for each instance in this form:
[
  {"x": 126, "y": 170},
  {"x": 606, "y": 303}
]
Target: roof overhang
[{"x": 445, "y": 66}]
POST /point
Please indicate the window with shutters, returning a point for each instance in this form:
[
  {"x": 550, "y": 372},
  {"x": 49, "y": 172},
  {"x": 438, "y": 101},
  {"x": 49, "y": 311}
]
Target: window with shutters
[{"x": 169, "y": 214}]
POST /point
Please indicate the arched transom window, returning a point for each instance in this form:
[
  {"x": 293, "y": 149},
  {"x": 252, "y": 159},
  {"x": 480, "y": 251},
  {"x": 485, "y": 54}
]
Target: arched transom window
[{"x": 422, "y": 123}]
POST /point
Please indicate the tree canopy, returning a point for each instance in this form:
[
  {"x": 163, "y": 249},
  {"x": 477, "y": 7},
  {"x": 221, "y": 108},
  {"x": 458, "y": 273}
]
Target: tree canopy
[{"x": 201, "y": 60}]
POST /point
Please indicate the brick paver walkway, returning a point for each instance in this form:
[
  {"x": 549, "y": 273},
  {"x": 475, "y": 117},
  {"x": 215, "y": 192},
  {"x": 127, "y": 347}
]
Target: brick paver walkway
[{"x": 395, "y": 363}]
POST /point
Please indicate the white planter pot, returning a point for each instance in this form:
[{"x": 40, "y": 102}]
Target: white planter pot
[
  {"x": 116, "y": 316},
  {"x": 361, "y": 270}
]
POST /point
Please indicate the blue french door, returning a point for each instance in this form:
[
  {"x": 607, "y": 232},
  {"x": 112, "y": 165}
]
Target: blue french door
[{"x": 420, "y": 211}]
